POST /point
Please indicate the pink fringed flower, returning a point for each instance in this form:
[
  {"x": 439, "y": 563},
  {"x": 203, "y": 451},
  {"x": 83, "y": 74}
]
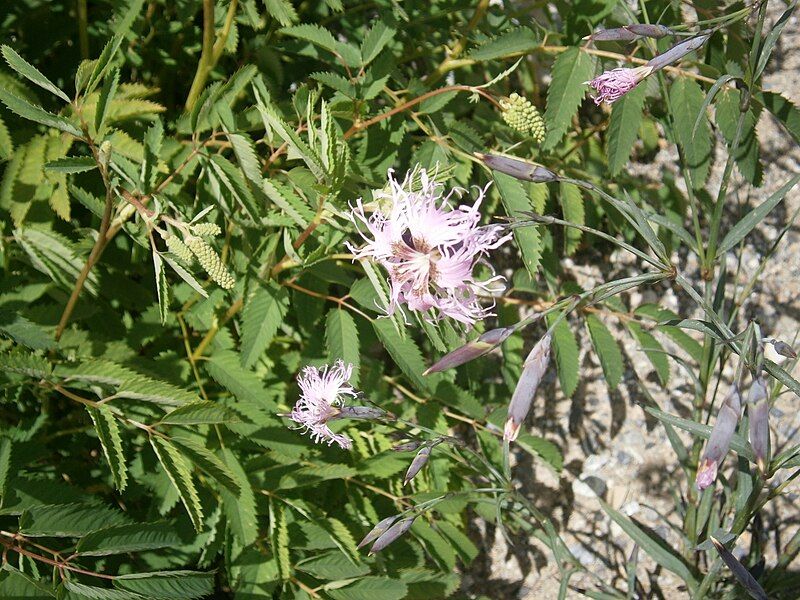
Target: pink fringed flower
[
  {"x": 614, "y": 84},
  {"x": 321, "y": 399},
  {"x": 429, "y": 248}
]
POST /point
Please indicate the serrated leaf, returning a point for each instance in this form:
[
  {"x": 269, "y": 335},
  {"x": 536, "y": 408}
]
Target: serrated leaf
[
  {"x": 5, "y": 466},
  {"x": 335, "y": 82},
  {"x": 121, "y": 539},
  {"x": 280, "y": 540},
  {"x": 331, "y": 566},
  {"x": 31, "y": 73},
  {"x": 571, "y": 69},
  {"x": 34, "y": 113},
  {"x": 516, "y": 201},
  {"x": 686, "y": 99},
  {"x": 404, "y": 352},
  {"x": 67, "y": 520},
  {"x": 371, "y": 588},
  {"x": 168, "y": 585},
  {"x": 207, "y": 461},
  {"x": 282, "y": 11},
  {"x": 107, "y": 428},
  {"x": 375, "y": 40},
  {"x": 17, "y": 585},
  {"x": 623, "y": 128},
  {"x": 653, "y": 349},
  {"x": 544, "y": 449},
  {"x": 261, "y": 318},
  {"x": 153, "y": 139},
  {"x": 341, "y": 339},
  {"x": 239, "y": 508},
  {"x": 107, "y": 94},
  {"x": 180, "y": 475},
  {"x": 324, "y": 39},
  {"x": 23, "y": 331},
  {"x": 197, "y": 413},
  {"x": 566, "y": 352},
  {"x": 72, "y": 164},
  {"x": 152, "y": 390},
  {"x": 606, "y": 349},
  {"x": 102, "y": 63},
  {"x": 80, "y": 591},
  {"x": 231, "y": 178},
  {"x": 746, "y": 224},
  {"x": 6, "y": 145},
  {"x": 226, "y": 369},
  {"x": 782, "y": 109},
  {"x": 162, "y": 287},
  {"x": 571, "y": 201},
  {"x": 726, "y": 115},
  {"x": 509, "y": 43},
  {"x": 25, "y": 363}
]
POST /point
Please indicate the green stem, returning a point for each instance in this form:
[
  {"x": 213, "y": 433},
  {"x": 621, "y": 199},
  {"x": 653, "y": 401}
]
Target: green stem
[
  {"x": 444, "y": 67},
  {"x": 83, "y": 25}
]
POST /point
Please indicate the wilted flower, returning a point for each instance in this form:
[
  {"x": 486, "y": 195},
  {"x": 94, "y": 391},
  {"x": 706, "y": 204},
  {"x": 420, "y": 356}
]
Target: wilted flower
[
  {"x": 532, "y": 372},
  {"x": 471, "y": 350},
  {"x": 394, "y": 532},
  {"x": 321, "y": 400},
  {"x": 416, "y": 465},
  {"x": 429, "y": 248},
  {"x": 377, "y": 531},
  {"x": 517, "y": 168},
  {"x": 614, "y": 84},
  {"x": 758, "y": 411},
  {"x": 720, "y": 439},
  {"x": 626, "y": 33}
]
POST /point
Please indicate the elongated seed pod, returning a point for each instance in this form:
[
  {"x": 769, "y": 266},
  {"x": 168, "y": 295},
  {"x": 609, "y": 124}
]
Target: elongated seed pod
[
  {"x": 179, "y": 249},
  {"x": 532, "y": 372},
  {"x": 366, "y": 413},
  {"x": 394, "y": 532},
  {"x": 471, "y": 350},
  {"x": 206, "y": 229},
  {"x": 720, "y": 439},
  {"x": 406, "y": 446},
  {"x": 517, "y": 168},
  {"x": 677, "y": 52},
  {"x": 416, "y": 465},
  {"x": 210, "y": 262},
  {"x": 758, "y": 411},
  {"x": 378, "y": 530}
]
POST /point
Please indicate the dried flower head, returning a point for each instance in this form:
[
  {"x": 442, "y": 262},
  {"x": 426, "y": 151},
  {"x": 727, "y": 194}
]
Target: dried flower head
[
  {"x": 429, "y": 248},
  {"x": 521, "y": 114},
  {"x": 614, "y": 84},
  {"x": 322, "y": 396}
]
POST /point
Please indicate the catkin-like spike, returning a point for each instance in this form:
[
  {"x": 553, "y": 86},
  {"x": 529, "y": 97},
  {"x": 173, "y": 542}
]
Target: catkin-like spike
[
  {"x": 179, "y": 249},
  {"x": 210, "y": 262},
  {"x": 206, "y": 229},
  {"x": 521, "y": 115}
]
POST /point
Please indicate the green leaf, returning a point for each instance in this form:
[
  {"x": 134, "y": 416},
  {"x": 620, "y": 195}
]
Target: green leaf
[
  {"x": 231, "y": 178},
  {"x": 157, "y": 392},
  {"x": 23, "y": 331},
  {"x": 239, "y": 507},
  {"x": 34, "y": 113},
  {"x": 566, "y": 354},
  {"x": 686, "y": 99},
  {"x": 655, "y": 312},
  {"x": 153, "y": 139},
  {"x": 121, "y": 539},
  {"x": 623, "y": 128},
  {"x": 102, "y": 63},
  {"x": 67, "y": 520},
  {"x": 180, "y": 475},
  {"x": 771, "y": 39},
  {"x": 71, "y": 164},
  {"x": 80, "y": 591},
  {"x": 279, "y": 535},
  {"x": 5, "y": 466},
  {"x": 16, "y": 585},
  {"x": 571, "y": 70},
  {"x": 404, "y": 352},
  {"x": 207, "y": 461},
  {"x": 107, "y": 93},
  {"x": 55, "y": 256},
  {"x": 168, "y": 585},
  {"x": 25, "y": 363},
  {"x": 197, "y": 413},
  {"x": 544, "y": 449},
  {"x": 371, "y": 588},
  {"x": 783, "y": 110},
  {"x": 162, "y": 287},
  {"x": 261, "y": 318},
  {"x": 653, "y": 350},
  {"x": 336, "y": 82},
  {"x": 606, "y": 349},
  {"x": 571, "y": 201},
  {"x": 282, "y": 11},
  {"x": 324, "y": 39},
  {"x": 754, "y": 217},
  {"x": 226, "y": 369},
  {"x": 331, "y": 566},
  {"x": 509, "y": 43},
  {"x": 655, "y": 547},
  {"x": 726, "y": 115},
  {"x": 107, "y": 428},
  {"x": 375, "y": 40},
  {"x": 515, "y": 201},
  {"x": 28, "y": 71},
  {"x": 341, "y": 339}
]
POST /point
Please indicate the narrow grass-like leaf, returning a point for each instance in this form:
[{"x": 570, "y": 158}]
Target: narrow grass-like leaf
[
  {"x": 653, "y": 349},
  {"x": 771, "y": 39}
]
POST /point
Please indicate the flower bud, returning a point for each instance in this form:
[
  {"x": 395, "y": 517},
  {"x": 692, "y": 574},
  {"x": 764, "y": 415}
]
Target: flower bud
[
  {"x": 720, "y": 439},
  {"x": 783, "y": 349},
  {"x": 416, "y": 465},
  {"x": 179, "y": 249},
  {"x": 532, "y": 372},
  {"x": 394, "y": 532},
  {"x": 377, "y": 531},
  {"x": 520, "y": 114},
  {"x": 758, "y": 411},
  {"x": 651, "y": 31},
  {"x": 210, "y": 262},
  {"x": 519, "y": 169},
  {"x": 471, "y": 350},
  {"x": 366, "y": 413},
  {"x": 677, "y": 52},
  {"x": 406, "y": 446},
  {"x": 206, "y": 229},
  {"x": 627, "y": 33}
]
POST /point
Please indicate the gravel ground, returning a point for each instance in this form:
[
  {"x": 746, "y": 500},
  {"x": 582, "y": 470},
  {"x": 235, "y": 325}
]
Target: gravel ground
[{"x": 610, "y": 448}]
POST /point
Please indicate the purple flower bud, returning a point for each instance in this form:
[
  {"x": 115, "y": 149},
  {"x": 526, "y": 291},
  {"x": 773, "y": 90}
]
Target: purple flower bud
[
  {"x": 471, "y": 350},
  {"x": 677, "y": 52},
  {"x": 652, "y": 31},
  {"x": 377, "y": 531},
  {"x": 783, "y": 349},
  {"x": 720, "y": 439},
  {"x": 519, "y": 169},
  {"x": 532, "y": 372},
  {"x": 758, "y": 410},
  {"x": 394, "y": 532},
  {"x": 367, "y": 413},
  {"x": 416, "y": 465},
  {"x": 407, "y": 446},
  {"x": 617, "y": 34}
]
